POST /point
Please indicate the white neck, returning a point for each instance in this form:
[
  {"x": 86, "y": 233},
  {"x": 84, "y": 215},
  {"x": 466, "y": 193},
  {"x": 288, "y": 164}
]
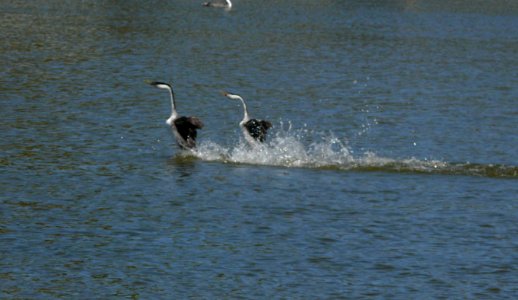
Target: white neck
[
  {"x": 237, "y": 97},
  {"x": 245, "y": 115},
  {"x": 229, "y": 4},
  {"x": 174, "y": 114}
]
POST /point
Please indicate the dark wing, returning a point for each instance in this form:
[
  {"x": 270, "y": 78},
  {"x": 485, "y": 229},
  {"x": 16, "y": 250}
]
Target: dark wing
[
  {"x": 195, "y": 122},
  {"x": 186, "y": 127},
  {"x": 258, "y": 128}
]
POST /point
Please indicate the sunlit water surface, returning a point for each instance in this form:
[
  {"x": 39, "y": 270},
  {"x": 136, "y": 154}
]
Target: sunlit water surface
[{"x": 391, "y": 170}]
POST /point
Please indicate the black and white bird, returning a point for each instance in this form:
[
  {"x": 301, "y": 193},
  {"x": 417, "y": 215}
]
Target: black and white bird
[
  {"x": 183, "y": 128},
  {"x": 223, "y": 4},
  {"x": 254, "y": 130}
]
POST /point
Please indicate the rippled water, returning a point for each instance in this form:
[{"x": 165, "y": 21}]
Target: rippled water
[{"x": 391, "y": 170}]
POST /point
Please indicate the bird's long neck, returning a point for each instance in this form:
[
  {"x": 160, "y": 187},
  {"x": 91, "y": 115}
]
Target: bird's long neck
[
  {"x": 174, "y": 114},
  {"x": 229, "y": 4},
  {"x": 245, "y": 115}
]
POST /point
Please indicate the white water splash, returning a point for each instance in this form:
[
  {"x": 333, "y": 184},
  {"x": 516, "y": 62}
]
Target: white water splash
[{"x": 307, "y": 149}]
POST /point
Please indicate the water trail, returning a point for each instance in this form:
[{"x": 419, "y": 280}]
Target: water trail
[{"x": 305, "y": 148}]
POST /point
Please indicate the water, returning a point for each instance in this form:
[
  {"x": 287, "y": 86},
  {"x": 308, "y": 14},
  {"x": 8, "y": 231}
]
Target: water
[{"x": 390, "y": 172}]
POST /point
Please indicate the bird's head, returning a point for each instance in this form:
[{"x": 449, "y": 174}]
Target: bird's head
[
  {"x": 231, "y": 96},
  {"x": 161, "y": 85}
]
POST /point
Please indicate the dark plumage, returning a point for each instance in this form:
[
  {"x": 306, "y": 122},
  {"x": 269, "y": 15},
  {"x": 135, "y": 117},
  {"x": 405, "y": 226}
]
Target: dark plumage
[
  {"x": 183, "y": 128},
  {"x": 254, "y": 130},
  {"x": 186, "y": 127},
  {"x": 257, "y": 128}
]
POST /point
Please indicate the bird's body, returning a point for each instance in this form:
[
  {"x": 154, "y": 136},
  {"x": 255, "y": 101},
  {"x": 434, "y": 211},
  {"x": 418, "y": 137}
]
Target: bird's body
[
  {"x": 226, "y": 4},
  {"x": 257, "y": 128},
  {"x": 254, "y": 130},
  {"x": 183, "y": 128},
  {"x": 185, "y": 131}
]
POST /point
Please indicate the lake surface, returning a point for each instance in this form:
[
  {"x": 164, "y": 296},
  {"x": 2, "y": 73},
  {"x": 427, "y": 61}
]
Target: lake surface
[{"x": 391, "y": 170}]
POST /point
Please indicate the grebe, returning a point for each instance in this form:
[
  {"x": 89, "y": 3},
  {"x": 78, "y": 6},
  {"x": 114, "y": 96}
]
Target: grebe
[
  {"x": 184, "y": 128},
  {"x": 254, "y": 130}
]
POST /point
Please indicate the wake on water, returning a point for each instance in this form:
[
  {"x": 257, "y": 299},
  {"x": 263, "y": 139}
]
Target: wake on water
[{"x": 297, "y": 148}]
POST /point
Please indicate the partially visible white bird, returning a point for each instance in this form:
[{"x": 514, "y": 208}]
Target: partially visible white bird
[{"x": 227, "y": 4}]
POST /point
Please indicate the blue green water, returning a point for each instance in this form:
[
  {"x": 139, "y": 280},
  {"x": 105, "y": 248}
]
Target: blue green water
[{"x": 391, "y": 170}]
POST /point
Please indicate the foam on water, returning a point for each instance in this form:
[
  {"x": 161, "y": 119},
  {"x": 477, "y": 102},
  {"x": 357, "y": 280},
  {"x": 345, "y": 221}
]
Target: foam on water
[{"x": 304, "y": 148}]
